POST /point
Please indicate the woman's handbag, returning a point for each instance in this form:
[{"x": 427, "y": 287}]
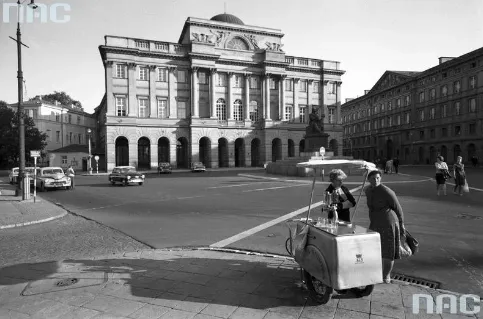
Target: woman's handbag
[
  {"x": 466, "y": 188},
  {"x": 412, "y": 243},
  {"x": 404, "y": 249}
]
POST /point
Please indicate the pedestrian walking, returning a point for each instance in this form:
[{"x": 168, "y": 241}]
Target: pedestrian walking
[
  {"x": 395, "y": 163},
  {"x": 474, "y": 160},
  {"x": 71, "y": 174},
  {"x": 441, "y": 175},
  {"x": 459, "y": 176}
]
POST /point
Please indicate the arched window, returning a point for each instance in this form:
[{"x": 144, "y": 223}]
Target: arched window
[
  {"x": 238, "y": 110},
  {"x": 237, "y": 44},
  {"x": 254, "y": 111},
  {"x": 221, "y": 109}
]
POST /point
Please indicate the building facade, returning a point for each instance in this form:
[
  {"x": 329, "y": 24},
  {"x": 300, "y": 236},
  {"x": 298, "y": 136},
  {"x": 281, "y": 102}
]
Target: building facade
[
  {"x": 417, "y": 115},
  {"x": 226, "y": 94},
  {"x": 64, "y": 124}
]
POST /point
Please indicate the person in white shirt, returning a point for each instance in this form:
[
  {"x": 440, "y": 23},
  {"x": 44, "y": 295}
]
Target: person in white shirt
[
  {"x": 71, "y": 174},
  {"x": 441, "y": 174}
]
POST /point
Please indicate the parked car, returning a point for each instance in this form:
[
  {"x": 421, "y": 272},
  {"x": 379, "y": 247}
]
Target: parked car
[
  {"x": 126, "y": 175},
  {"x": 164, "y": 167},
  {"x": 52, "y": 178},
  {"x": 13, "y": 175},
  {"x": 198, "y": 167}
]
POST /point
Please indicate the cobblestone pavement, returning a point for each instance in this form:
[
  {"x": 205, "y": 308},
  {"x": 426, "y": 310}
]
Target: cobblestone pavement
[{"x": 67, "y": 237}]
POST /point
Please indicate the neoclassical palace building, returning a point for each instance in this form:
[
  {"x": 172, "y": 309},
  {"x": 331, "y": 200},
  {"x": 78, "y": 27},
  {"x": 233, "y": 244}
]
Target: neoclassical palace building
[
  {"x": 418, "y": 115},
  {"x": 225, "y": 94}
]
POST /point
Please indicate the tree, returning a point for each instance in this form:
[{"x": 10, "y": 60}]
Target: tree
[
  {"x": 62, "y": 97},
  {"x": 9, "y": 136}
]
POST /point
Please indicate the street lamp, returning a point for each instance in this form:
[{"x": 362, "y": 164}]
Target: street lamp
[
  {"x": 21, "y": 123},
  {"x": 89, "y": 158}
]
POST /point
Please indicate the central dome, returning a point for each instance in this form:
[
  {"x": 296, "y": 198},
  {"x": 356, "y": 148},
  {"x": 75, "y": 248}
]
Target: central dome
[{"x": 228, "y": 18}]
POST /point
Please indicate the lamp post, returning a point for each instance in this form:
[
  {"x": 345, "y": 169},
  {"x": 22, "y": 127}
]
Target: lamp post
[
  {"x": 89, "y": 158},
  {"x": 21, "y": 123}
]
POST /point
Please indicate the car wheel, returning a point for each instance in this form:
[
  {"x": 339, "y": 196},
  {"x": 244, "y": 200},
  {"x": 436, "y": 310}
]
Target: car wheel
[
  {"x": 140, "y": 183},
  {"x": 125, "y": 182}
]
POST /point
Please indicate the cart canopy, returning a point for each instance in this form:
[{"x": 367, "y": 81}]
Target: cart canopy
[{"x": 320, "y": 163}]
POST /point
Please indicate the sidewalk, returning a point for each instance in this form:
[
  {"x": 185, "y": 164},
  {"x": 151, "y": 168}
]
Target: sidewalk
[{"x": 187, "y": 284}]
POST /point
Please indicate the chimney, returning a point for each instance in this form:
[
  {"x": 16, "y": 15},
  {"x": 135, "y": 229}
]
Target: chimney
[
  {"x": 40, "y": 97},
  {"x": 348, "y": 99},
  {"x": 445, "y": 59},
  {"x": 366, "y": 91}
]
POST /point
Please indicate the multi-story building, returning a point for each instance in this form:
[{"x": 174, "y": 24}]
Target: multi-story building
[
  {"x": 226, "y": 94},
  {"x": 417, "y": 115},
  {"x": 64, "y": 124}
]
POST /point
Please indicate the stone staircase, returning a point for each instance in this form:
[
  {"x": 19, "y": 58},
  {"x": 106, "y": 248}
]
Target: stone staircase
[{"x": 288, "y": 167}]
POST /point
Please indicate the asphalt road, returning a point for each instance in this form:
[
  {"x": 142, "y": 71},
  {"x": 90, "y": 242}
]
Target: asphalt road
[{"x": 185, "y": 209}]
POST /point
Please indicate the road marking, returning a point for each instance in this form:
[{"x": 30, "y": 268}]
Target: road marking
[
  {"x": 242, "y": 235},
  {"x": 238, "y": 185},
  {"x": 270, "y": 188}
]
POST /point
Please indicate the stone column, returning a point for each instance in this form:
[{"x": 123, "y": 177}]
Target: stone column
[
  {"x": 296, "y": 109},
  {"x": 247, "y": 96},
  {"x": 172, "y": 153},
  {"x": 152, "y": 93},
  {"x": 195, "y": 93},
  {"x": 111, "y": 102},
  {"x": 132, "y": 104},
  {"x": 266, "y": 86},
  {"x": 281, "y": 100},
  {"x": 230, "y": 95},
  {"x": 324, "y": 106},
  {"x": 338, "y": 103},
  {"x": 154, "y": 155},
  {"x": 309, "y": 94},
  {"x": 212, "y": 93},
  {"x": 133, "y": 153},
  {"x": 172, "y": 112}
]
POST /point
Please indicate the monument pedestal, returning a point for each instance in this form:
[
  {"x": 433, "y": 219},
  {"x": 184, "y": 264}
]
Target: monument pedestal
[{"x": 314, "y": 141}]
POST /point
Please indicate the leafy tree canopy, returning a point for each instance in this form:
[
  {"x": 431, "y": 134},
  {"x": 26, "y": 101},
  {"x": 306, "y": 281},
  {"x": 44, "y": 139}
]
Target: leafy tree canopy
[
  {"x": 9, "y": 136},
  {"x": 61, "y": 97}
]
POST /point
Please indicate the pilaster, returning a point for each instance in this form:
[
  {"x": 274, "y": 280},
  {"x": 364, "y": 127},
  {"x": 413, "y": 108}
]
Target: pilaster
[
  {"x": 172, "y": 94},
  {"x": 296, "y": 108},
  {"x": 281, "y": 100},
  {"x": 154, "y": 155},
  {"x": 309, "y": 93},
  {"x": 133, "y": 153},
  {"x": 338, "y": 97},
  {"x": 152, "y": 94},
  {"x": 111, "y": 103},
  {"x": 195, "y": 93},
  {"x": 212, "y": 93},
  {"x": 324, "y": 105},
  {"x": 230, "y": 95},
  {"x": 132, "y": 104},
  {"x": 266, "y": 86},
  {"x": 247, "y": 96}
]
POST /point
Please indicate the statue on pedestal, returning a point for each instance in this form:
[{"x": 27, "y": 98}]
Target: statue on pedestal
[{"x": 316, "y": 124}]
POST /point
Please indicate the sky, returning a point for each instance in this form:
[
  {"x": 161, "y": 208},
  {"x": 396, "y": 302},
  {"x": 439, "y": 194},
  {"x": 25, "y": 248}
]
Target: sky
[{"x": 368, "y": 37}]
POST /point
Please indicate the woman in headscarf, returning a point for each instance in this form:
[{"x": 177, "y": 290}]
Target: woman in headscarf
[{"x": 387, "y": 218}]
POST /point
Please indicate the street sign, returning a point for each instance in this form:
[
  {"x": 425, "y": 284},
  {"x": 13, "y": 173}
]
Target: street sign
[
  {"x": 34, "y": 153},
  {"x": 96, "y": 158}
]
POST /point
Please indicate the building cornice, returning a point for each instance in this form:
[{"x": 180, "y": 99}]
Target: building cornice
[{"x": 140, "y": 53}]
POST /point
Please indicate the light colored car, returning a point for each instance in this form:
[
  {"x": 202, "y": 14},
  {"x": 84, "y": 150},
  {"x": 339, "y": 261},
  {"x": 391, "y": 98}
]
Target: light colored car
[
  {"x": 126, "y": 175},
  {"x": 198, "y": 167},
  {"x": 52, "y": 178},
  {"x": 164, "y": 168},
  {"x": 13, "y": 175}
]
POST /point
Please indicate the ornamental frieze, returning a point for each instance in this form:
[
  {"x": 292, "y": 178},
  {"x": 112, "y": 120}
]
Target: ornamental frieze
[{"x": 219, "y": 36}]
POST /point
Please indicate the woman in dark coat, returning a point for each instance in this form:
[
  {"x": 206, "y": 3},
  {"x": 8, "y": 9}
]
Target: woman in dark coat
[
  {"x": 459, "y": 175},
  {"x": 387, "y": 218},
  {"x": 344, "y": 197}
]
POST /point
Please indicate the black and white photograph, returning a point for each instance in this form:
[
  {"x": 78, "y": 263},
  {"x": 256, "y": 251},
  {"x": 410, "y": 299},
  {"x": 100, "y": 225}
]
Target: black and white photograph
[{"x": 337, "y": 146}]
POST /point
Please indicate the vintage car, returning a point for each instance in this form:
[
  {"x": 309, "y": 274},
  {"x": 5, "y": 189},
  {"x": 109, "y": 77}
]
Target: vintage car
[
  {"x": 125, "y": 175},
  {"x": 52, "y": 178},
  {"x": 13, "y": 175},
  {"x": 164, "y": 167},
  {"x": 198, "y": 167}
]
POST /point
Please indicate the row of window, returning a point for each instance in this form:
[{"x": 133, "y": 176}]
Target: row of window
[
  {"x": 222, "y": 79},
  {"x": 70, "y": 138},
  {"x": 221, "y": 109},
  {"x": 444, "y": 112},
  {"x": 443, "y": 90},
  {"x": 444, "y": 74},
  {"x": 381, "y": 107}
]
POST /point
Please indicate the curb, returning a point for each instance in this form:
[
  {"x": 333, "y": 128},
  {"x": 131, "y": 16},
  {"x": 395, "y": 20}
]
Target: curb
[{"x": 33, "y": 222}]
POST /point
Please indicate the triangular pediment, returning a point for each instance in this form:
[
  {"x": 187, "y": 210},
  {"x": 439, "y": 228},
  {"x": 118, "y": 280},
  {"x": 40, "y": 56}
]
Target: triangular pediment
[{"x": 392, "y": 78}]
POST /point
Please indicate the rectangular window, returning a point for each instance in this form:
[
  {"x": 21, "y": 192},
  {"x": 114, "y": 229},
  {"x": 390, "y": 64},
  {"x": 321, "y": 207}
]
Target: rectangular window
[
  {"x": 302, "y": 86},
  {"x": 472, "y": 128},
  {"x": 444, "y": 132},
  {"x": 381, "y": 124},
  {"x": 432, "y": 133},
  {"x": 408, "y": 136},
  {"x": 472, "y": 82},
  {"x": 315, "y": 86},
  {"x": 432, "y": 113},
  {"x": 254, "y": 82},
  {"x": 121, "y": 71},
  {"x": 202, "y": 78},
  {"x": 57, "y": 117},
  {"x": 421, "y": 97},
  {"x": 407, "y": 100},
  {"x": 253, "y": 111},
  {"x": 121, "y": 107},
  {"x": 421, "y": 135},
  {"x": 57, "y": 136},
  {"x": 64, "y": 159},
  {"x": 456, "y": 86},
  {"x": 472, "y": 105},
  {"x": 331, "y": 88},
  {"x": 331, "y": 118},
  {"x": 181, "y": 109},
  {"x": 432, "y": 94},
  {"x": 443, "y": 110},
  {"x": 444, "y": 90},
  {"x": 389, "y": 121},
  {"x": 398, "y": 103},
  {"x": 273, "y": 84},
  {"x": 162, "y": 75},
  {"x": 181, "y": 76},
  {"x": 302, "y": 112},
  {"x": 162, "y": 108},
  {"x": 70, "y": 118},
  {"x": 389, "y": 105},
  {"x": 408, "y": 118},
  {"x": 457, "y": 130},
  {"x": 457, "y": 108},
  {"x": 398, "y": 119},
  {"x": 143, "y": 107},
  {"x": 238, "y": 110},
  {"x": 288, "y": 112},
  {"x": 421, "y": 115},
  {"x": 238, "y": 81},
  {"x": 35, "y": 114},
  {"x": 49, "y": 136},
  {"x": 78, "y": 119},
  {"x": 289, "y": 84},
  {"x": 221, "y": 79},
  {"x": 143, "y": 73}
]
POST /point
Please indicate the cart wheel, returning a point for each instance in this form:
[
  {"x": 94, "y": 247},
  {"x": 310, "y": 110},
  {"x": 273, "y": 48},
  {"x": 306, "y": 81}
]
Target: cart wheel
[
  {"x": 363, "y": 291},
  {"x": 318, "y": 291}
]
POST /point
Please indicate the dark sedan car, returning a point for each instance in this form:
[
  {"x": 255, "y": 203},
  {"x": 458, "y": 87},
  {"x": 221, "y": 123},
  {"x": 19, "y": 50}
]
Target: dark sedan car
[
  {"x": 164, "y": 168},
  {"x": 198, "y": 167},
  {"x": 126, "y": 175}
]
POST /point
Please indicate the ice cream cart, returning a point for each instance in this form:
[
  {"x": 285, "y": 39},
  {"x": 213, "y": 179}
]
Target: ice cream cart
[{"x": 333, "y": 254}]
